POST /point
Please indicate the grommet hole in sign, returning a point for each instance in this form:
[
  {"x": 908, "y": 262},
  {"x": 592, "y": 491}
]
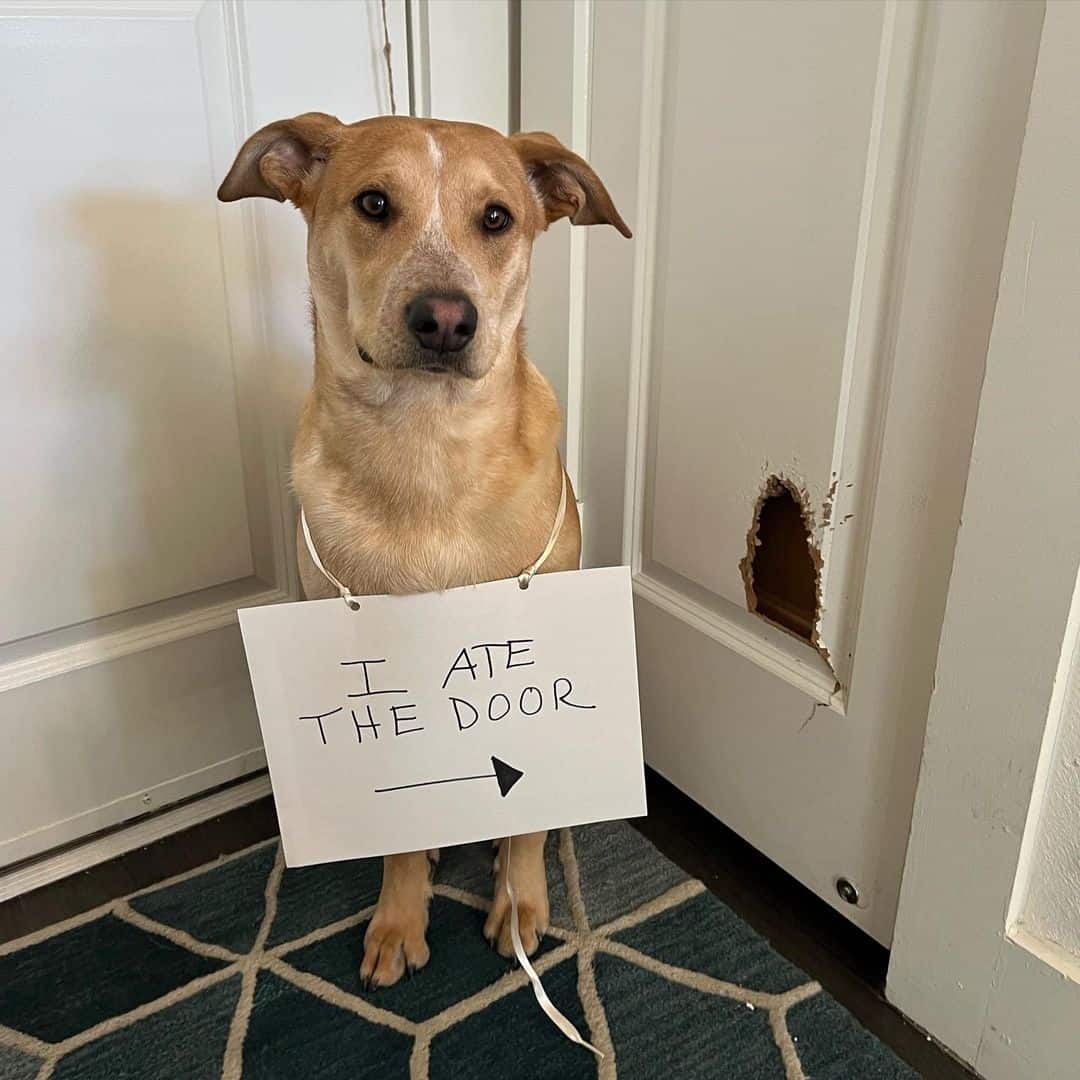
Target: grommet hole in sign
[{"x": 370, "y": 709}]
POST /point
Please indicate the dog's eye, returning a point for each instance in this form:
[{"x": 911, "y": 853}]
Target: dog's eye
[
  {"x": 496, "y": 218},
  {"x": 372, "y": 204}
]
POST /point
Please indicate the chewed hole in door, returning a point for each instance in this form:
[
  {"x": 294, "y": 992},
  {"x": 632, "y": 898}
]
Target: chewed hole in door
[{"x": 781, "y": 566}]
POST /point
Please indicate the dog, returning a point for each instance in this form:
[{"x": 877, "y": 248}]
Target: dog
[{"x": 427, "y": 451}]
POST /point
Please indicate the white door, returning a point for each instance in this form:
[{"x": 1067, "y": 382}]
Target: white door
[
  {"x": 155, "y": 347},
  {"x": 987, "y": 947},
  {"x": 790, "y": 350}
]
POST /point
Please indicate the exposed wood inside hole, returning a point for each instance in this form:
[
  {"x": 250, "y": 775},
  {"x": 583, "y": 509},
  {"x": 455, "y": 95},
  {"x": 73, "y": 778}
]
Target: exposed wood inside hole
[{"x": 782, "y": 565}]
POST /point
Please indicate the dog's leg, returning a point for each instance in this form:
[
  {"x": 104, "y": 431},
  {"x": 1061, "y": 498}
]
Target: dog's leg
[
  {"x": 529, "y": 879},
  {"x": 394, "y": 942}
]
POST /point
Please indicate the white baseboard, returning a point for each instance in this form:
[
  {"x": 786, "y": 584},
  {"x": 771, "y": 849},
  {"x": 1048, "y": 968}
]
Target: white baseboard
[
  {"x": 133, "y": 805},
  {"x": 72, "y": 860}
]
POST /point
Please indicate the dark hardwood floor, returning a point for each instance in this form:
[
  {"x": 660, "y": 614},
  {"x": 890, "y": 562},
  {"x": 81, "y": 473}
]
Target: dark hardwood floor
[
  {"x": 798, "y": 924},
  {"x": 849, "y": 964},
  {"x": 145, "y": 866}
]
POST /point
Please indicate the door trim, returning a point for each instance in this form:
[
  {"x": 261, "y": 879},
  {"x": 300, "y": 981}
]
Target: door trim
[
  {"x": 783, "y": 656},
  {"x": 130, "y": 632},
  {"x": 867, "y": 366}
]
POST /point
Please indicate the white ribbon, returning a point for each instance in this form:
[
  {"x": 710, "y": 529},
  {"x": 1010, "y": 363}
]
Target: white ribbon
[
  {"x": 523, "y": 578},
  {"x": 526, "y": 575},
  {"x": 348, "y": 597},
  {"x": 545, "y": 1003}
]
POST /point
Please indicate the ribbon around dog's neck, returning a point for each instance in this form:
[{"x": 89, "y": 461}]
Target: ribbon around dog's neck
[
  {"x": 523, "y": 578},
  {"x": 352, "y": 601}
]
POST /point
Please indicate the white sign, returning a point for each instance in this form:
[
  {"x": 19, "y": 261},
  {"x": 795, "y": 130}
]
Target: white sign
[{"x": 435, "y": 719}]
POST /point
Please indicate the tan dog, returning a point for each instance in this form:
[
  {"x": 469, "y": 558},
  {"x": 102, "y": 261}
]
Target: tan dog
[{"x": 427, "y": 450}]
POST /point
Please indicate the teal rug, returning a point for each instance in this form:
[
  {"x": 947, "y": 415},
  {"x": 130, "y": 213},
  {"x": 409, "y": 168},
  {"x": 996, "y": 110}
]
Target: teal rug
[{"x": 243, "y": 969}]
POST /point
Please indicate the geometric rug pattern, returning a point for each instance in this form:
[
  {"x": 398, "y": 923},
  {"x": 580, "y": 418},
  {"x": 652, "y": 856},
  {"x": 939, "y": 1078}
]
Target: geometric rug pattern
[{"x": 243, "y": 969}]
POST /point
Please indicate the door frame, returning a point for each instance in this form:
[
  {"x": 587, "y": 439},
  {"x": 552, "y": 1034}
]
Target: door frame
[{"x": 963, "y": 965}]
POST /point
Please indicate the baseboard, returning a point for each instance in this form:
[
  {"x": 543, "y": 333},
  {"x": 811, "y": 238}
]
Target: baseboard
[
  {"x": 72, "y": 860},
  {"x": 133, "y": 806}
]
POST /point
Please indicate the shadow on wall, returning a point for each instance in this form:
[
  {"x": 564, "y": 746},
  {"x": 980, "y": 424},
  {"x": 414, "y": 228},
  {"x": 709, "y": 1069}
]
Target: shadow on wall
[{"x": 129, "y": 424}]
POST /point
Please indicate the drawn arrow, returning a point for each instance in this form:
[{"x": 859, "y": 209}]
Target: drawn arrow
[{"x": 506, "y": 776}]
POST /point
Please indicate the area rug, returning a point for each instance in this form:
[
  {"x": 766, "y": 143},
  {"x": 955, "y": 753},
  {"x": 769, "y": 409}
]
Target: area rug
[{"x": 244, "y": 969}]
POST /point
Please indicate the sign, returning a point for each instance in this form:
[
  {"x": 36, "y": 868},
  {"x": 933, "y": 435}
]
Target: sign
[{"x": 428, "y": 720}]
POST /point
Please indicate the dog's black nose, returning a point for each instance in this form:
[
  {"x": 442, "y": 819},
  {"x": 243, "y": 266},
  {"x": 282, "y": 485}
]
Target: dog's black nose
[{"x": 441, "y": 322}]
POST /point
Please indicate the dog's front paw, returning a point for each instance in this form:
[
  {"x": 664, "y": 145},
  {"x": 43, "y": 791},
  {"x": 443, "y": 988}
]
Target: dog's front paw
[
  {"x": 394, "y": 944},
  {"x": 529, "y": 879},
  {"x": 532, "y": 923}
]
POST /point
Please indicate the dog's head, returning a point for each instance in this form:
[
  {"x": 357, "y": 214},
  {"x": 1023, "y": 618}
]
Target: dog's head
[{"x": 419, "y": 231}]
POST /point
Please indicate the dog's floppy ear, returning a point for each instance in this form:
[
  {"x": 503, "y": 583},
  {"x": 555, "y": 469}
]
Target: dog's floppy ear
[
  {"x": 281, "y": 160},
  {"x": 565, "y": 183}
]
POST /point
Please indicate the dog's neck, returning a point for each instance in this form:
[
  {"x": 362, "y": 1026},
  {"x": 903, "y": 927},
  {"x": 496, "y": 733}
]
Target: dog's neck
[{"x": 416, "y": 445}]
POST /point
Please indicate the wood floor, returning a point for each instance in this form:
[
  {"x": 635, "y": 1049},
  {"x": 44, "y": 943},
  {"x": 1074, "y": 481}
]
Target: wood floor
[{"x": 850, "y": 965}]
